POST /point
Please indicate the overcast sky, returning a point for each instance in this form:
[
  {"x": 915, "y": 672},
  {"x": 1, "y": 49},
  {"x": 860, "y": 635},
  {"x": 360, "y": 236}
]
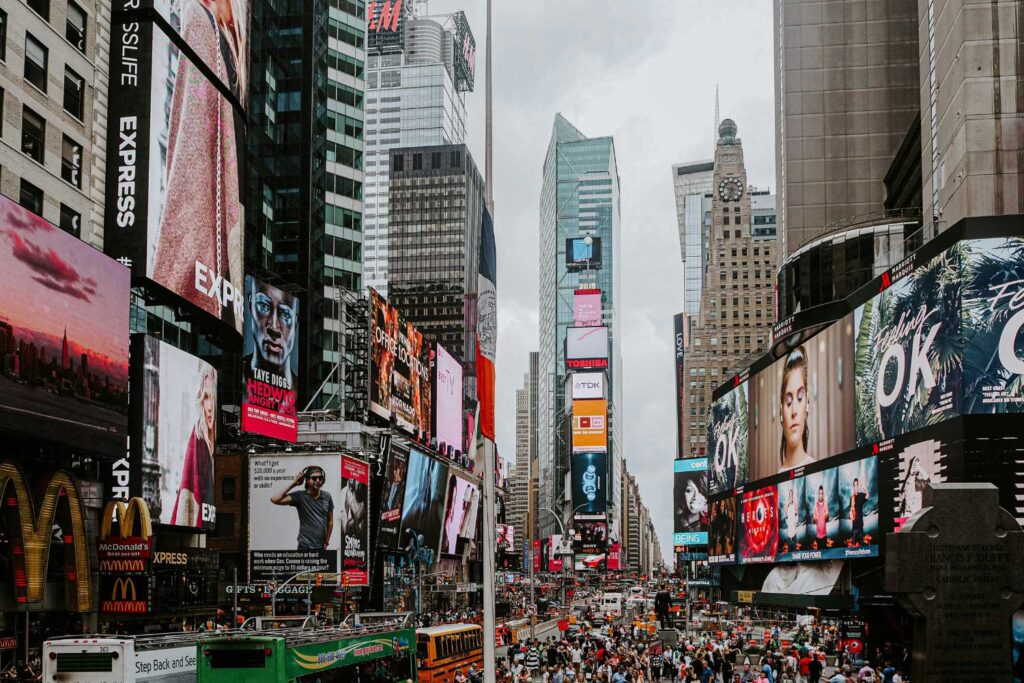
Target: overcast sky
[{"x": 645, "y": 73}]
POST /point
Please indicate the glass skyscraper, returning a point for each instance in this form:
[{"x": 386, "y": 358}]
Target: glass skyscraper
[
  {"x": 579, "y": 197},
  {"x": 691, "y": 182}
]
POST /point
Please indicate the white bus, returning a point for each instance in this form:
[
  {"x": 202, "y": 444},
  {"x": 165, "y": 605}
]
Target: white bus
[
  {"x": 612, "y": 602},
  {"x": 169, "y": 658}
]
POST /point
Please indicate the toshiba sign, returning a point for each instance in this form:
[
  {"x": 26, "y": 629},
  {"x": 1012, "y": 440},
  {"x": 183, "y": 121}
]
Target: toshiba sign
[{"x": 587, "y": 385}]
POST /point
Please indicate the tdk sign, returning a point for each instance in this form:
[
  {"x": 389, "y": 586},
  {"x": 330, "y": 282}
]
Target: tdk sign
[{"x": 587, "y": 385}]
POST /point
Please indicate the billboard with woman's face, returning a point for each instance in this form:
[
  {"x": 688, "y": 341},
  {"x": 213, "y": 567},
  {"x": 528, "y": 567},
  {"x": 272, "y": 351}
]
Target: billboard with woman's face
[
  {"x": 722, "y": 531},
  {"x": 691, "y": 502}
]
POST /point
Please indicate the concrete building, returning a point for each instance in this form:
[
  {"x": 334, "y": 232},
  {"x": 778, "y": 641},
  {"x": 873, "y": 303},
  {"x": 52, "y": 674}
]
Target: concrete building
[
  {"x": 54, "y": 65},
  {"x": 516, "y": 502},
  {"x": 526, "y": 451},
  {"x": 692, "y": 182}
]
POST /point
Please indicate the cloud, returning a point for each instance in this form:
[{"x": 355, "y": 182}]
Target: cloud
[{"x": 50, "y": 270}]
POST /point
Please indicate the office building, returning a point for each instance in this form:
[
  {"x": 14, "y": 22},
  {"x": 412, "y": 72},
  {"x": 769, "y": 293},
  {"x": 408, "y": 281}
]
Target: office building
[
  {"x": 579, "y": 201},
  {"x": 416, "y": 85},
  {"x": 692, "y": 184},
  {"x": 54, "y": 65}
]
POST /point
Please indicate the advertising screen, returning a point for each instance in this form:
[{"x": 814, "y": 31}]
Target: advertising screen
[
  {"x": 858, "y": 495},
  {"x": 506, "y": 538},
  {"x": 802, "y": 407},
  {"x": 589, "y": 483},
  {"x": 174, "y": 414},
  {"x": 284, "y": 541},
  {"x": 424, "y": 506},
  {"x": 353, "y": 518},
  {"x": 727, "y": 441},
  {"x": 586, "y": 307},
  {"x": 759, "y": 525},
  {"x": 448, "y": 394},
  {"x": 590, "y": 535},
  {"x": 587, "y": 385},
  {"x": 580, "y": 256},
  {"x": 722, "y": 531},
  {"x": 793, "y": 515},
  {"x": 63, "y": 336},
  {"x": 270, "y": 363},
  {"x": 691, "y": 502},
  {"x": 174, "y": 182},
  {"x": 391, "y": 502},
  {"x": 821, "y": 512},
  {"x": 555, "y": 553},
  {"x": 909, "y": 373},
  {"x": 916, "y": 465},
  {"x": 460, "y": 515},
  {"x": 589, "y": 426},
  {"x": 682, "y": 406},
  {"x": 586, "y": 347},
  {"x": 399, "y": 369}
]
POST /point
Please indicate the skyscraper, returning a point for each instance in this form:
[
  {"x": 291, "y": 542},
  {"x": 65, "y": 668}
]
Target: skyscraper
[
  {"x": 691, "y": 182},
  {"x": 579, "y": 202}
]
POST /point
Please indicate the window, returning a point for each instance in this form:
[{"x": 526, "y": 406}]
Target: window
[
  {"x": 417, "y": 161},
  {"x": 3, "y": 35},
  {"x": 456, "y": 160},
  {"x": 725, "y": 220},
  {"x": 70, "y": 220},
  {"x": 227, "y": 489},
  {"x": 41, "y": 7},
  {"x": 33, "y": 134},
  {"x": 398, "y": 163},
  {"x": 74, "y": 31},
  {"x": 31, "y": 197},
  {"x": 435, "y": 160},
  {"x": 35, "y": 62},
  {"x": 74, "y": 94},
  {"x": 71, "y": 162}
]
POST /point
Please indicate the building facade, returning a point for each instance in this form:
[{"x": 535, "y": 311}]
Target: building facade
[{"x": 692, "y": 183}]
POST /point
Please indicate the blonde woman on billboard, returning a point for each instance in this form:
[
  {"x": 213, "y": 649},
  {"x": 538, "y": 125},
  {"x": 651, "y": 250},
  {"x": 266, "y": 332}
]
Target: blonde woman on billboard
[
  {"x": 199, "y": 248},
  {"x": 196, "y": 488},
  {"x": 793, "y": 410}
]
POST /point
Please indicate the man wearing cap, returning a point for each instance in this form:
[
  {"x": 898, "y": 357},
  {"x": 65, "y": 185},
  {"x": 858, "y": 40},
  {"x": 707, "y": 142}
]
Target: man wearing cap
[{"x": 314, "y": 506}]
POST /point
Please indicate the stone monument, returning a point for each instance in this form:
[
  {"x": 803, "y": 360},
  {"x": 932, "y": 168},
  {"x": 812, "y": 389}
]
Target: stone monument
[{"x": 958, "y": 567}]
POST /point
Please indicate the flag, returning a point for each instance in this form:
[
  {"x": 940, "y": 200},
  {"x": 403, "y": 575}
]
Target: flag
[{"x": 486, "y": 328}]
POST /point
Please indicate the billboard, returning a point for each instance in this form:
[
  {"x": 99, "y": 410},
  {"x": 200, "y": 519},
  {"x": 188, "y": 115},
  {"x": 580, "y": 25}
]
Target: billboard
[
  {"x": 555, "y": 555},
  {"x": 586, "y": 307},
  {"x": 63, "y": 336},
  {"x": 506, "y": 538},
  {"x": 728, "y": 429},
  {"x": 582, "y": 256},
  {"x": 174, "y": 416},
  {"x": 391, "y": 501},
  {"x": 424, "y": 506},
  {"x": 465, "y": 52},
  {"x": 722, "y": 531},
  {"x": 399, "y": 369},
  {"x": 586, "y": 347},
  {"x": 385, "y": 25},
  {"x": 285, "y": 542},
  {"x": 802, "y": 406},
  {"x": 590, "y": 535},
  {"x": 690, "y": 519},
  {"x": 174, "y": 178},
  {"x": 759, "y": 525},
  {"x": 928, "y": 461},
  {"x": 447, "y": 383},
  {"x": 590, "y": 483},
  {"x": 353, "y": 518},
  {"x": 270, "y": 363},
  {"x": 460, "y": 515},
  {"x": 590, "y": 426},
  {"x": 587, "y": 385},
  {"x": 679, "y": 338}
]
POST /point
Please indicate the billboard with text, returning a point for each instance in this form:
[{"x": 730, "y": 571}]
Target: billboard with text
[
  {"x": 399, "y": 369},
  {"x": 590, "y": 426},
  {"x": 270, "y": 361},
  {"x": 353, "y": 521},
  {"x": 448, "y": 399},
  {"x": 690, "y": 519},
  {"x": 586, "y": 307},
  {"x": 586, "y": 347}
]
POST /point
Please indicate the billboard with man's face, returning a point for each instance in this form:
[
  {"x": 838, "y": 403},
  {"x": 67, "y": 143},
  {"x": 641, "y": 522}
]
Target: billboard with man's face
[
  {"x": 353, "y": 521},
  {"x": 270, "y": 363},
  {"x": 423, "y": 507}
]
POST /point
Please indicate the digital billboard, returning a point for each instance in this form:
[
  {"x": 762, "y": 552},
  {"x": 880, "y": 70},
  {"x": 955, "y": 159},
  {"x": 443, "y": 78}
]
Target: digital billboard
[
  {"x": 682, "y": 405},
  {"x": 582, "y": 256},
  {"x": 690, "y": 518},
  {"x": 465, "y": 52},
  {"x": 722, "y": 518},
  {"x": 399, "y": 369},
  {"x": 270, "y": 363},
  {"x": 284, "y": 542},
  {"x": 424, "y": 506},
  {"x": 590, "y": 534},
  {"x": 590, "y": 483},
  {"x": 728, "y": 429},
  {"x": 802, "y": 406},
  {"x": 460, "y": 516},
  {"x": 391, "y": 502},
  {"x": 63, "y": 336},
  {"x": 174, "y": 183},
  {"x": 928, "y": 461},
  {"x": 587, "y": 385},
  {"x": 586, "y": 307},
  {"x": 353, "y": 518},
  {"x": 174, "y": 425},
  {"x": 447, "y": 383},
  {"x": 590, "y": 426},
  {"x": 555, "y": 554},
  {"x": 759, "y": 525},
  {"x": 506, "y": 538},
  {"x": 586, "y": 347}
]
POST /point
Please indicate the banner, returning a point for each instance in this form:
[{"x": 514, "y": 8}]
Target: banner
[
  {"x": 399, "y": 369},
  {"x": 590, "y": 426},
  {"x": 487, "y": 327},
  {"x": 722, "y": 531},
  {"x": 586, "y": 347},
  {"x": 448, "y": 400},
  {"x": 270, "y": 363},
  {"x": 590, "y": 483},
  {"x": 391, "y": 502},
  {"x": 728, "y": 430},
  {"x": 587, "y": 307},
  {"x": 682, "y": 405},
  {"x": 555, "y": 557},
  {"x": 590, "y": 535},
  {"x": 760, "y": 525},
  {"x": 587, "y": 385},
  {"x": 353, "y": 515},
  {"x": 460, "y": 515},
  {"x": 423, "y": 507},
  {"x": 691, "y": 502}
]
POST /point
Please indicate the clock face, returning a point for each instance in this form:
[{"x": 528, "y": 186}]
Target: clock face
[{"x": 730, "y": 189}]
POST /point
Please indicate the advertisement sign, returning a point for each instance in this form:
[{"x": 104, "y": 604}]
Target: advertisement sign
[
  {"x": 759, "y": 524},
  {"x": 722, "y": 531},
  {"x": 679, "y": 339},
  {"x": 586, "y": 347},
  {"x": 63, "y": 336},
  {"x": 555, "y": 559},
  {"x": 587, "y": 385},
  {"x": 536, "y": 556},
  {"x": 728, "y": 430},
  {"x": 917, "y": 465},
  {"x": 465, "y": 52},
  {"x": 908, "y": 372},
  {"x": 399, "y": 369},
  {"x": 506, "y": 538},
  {"x": 460, "y": 515},
  {"x": 793, "y": 514},
  {"x": 424, "y": 506},
  {"x": 353, "y": 514},
  {"x": 173, "y": 166},
  {"x": 586, "y": 307},
  {"x": 316, "y": 658},
  {"x": 582, "y": 256},
  {"x": 691, "y": 502},
  {"x": 174, "y": 404},
  {"x": 385, "y": 25},
  {"x": 391, "y": 502},
  {"x": 129, "y": 548},
  {"x": 447, "y": 383},
  {"x": 592, "y": 561},
  {"x": 590, "y": 426},
  {"x": 270, "y": 363},
  {"x": 284, "y": 542},
  {"x": 802, "y": 406},
  {"x": 822, "y": 510},
  {"x": 614, "y": 555},
  {"x": 590, "y": 483},
  {"x": 124, "y": 594},
  {"x": 590, "y": 535}
]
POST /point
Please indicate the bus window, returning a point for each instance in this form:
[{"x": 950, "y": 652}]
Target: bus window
[
  {"x": 85, "y": 662},
  {"x": 238, "y": 659}
]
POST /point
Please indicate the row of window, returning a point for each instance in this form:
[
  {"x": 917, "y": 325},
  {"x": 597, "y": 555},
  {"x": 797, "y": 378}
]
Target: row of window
[
  {"x": 37, "y": 58},
  {"x": 74, "y": 24},
  {"x": 33, "y": 144},
  {"x": 454, "y": 161}
]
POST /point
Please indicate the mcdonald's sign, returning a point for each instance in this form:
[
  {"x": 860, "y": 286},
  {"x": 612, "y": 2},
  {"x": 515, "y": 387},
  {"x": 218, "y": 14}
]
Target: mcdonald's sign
[
  {"x": 130, "y": 547},
  {"x": 124, "y": 594},
  {"x": 31, "y": 534}
]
